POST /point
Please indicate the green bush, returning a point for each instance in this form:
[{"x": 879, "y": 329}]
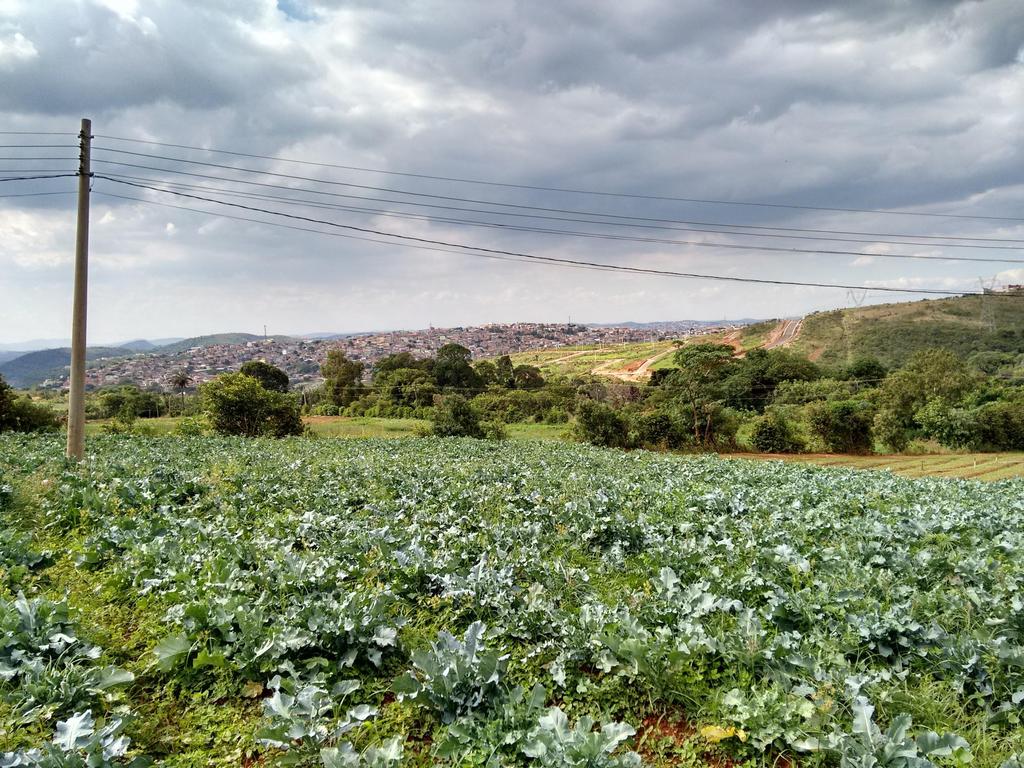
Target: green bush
[
  {"x": 659, "y": 430},
  {"x": 891, "y": 430},
  {"x": 24, "y": 415},
  {"x": 237, "y": 404},
  {"x": 1000, "y": 426},
  {"x": 773, "y": 433},
  {"x": 190, "y": 426},
  {"x": 599, "y": 424},
  {"x": 952, "y": 427},
  {"x": 842, "y": 426},
  {"x": 325, "y": 409},
  {"x": 454, "y": 417}
]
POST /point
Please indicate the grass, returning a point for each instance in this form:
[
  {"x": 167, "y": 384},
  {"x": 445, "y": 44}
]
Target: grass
[{"x": 893, "y": 332}]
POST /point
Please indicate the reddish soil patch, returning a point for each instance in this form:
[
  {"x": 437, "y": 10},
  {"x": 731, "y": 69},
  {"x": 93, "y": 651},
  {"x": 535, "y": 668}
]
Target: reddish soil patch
[{"x": 656, "y": 730}]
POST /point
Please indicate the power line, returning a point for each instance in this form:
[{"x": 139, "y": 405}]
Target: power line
[
  {"x": 37, "y": 194},
  {"x": 603, "y": 216},
  {"x": 566, "y": 190},
  {"x": 56, "y": 175},
  {"x": 393, "y": 190},
  {"x": 611, "y": 237},
  {"x": 321, "y": 232},
  {"x": 472, "y": 222},
  {"x": 37, "y": 133},
  {"x": 546, "y": 259}
]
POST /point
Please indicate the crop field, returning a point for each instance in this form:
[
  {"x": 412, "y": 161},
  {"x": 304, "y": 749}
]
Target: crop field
[
  {"x": 215, "y": 601},
  {"x": 578, "y": 361},
  {"x": 972, "y": 466}
]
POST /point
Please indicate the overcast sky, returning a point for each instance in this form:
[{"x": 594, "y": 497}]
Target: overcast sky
[{"x": 879, "y": 105}]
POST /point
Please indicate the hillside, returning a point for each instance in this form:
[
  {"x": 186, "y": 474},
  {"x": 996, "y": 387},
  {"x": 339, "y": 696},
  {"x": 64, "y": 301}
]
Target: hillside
[
  {"x": 894, "y": 332},
  {"x": 36, "y": 367},
  {"x": 213, "y": 340}
]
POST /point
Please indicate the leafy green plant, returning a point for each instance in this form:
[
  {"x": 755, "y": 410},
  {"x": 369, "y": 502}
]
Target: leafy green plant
[
  {"x": 454, "y": 676},
  {"x": 867, "y": 746},
  {"x": 79, "y": 742}
]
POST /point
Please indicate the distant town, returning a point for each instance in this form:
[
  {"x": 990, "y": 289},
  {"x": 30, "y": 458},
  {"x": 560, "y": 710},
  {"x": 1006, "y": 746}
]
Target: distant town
[{"x": 301, "y": 358}]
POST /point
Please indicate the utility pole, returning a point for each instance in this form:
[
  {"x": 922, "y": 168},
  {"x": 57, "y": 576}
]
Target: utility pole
[{"x": 76, "y": 405}]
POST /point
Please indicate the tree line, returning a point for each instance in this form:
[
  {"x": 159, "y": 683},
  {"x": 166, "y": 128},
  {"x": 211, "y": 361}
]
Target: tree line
[{"x": 708, "y": 399}]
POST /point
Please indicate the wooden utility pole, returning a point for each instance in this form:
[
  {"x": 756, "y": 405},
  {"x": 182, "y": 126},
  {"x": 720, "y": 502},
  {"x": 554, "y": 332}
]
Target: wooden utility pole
[{"x": 76, "y": 405}]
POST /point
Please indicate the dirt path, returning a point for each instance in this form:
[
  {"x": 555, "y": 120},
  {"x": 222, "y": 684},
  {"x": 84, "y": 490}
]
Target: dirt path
[{"x": 783, "y": 334}]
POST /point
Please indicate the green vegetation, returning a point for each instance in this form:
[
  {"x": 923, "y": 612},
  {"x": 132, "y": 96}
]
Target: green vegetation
[
  {"x": 893, "y": 333},
  {"x": 239, "y": 404},
  {"x": 225, "y": 601}
]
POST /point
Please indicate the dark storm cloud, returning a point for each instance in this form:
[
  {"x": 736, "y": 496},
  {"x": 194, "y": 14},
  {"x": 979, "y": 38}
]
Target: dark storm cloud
[{"x": 916, "y": 104}]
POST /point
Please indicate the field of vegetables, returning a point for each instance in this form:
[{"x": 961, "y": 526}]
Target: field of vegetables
[{"x": 211, "y": 601}]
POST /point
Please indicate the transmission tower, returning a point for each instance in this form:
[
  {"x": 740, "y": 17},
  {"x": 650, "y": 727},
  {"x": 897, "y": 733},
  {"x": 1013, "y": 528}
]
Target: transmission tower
[
  {"x": 988, "y": 310},
  {"x": 856, "y": 299}
]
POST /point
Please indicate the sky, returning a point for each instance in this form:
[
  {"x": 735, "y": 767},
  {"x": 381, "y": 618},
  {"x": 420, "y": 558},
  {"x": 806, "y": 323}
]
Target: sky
[{"x": 915, "y": 106}]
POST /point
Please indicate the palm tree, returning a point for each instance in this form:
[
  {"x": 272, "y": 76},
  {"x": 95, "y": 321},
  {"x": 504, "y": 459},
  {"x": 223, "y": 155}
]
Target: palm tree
[{"x": 180, "y": 380}]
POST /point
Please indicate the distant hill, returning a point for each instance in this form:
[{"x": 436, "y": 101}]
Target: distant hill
[
  {"x": 6, "y": 355},
  {"x": 34, "y": 368},
  {"x": 139, "y": 345},
  {"x": 213, "y": 340},
  {"x": 894, "y": 332}
]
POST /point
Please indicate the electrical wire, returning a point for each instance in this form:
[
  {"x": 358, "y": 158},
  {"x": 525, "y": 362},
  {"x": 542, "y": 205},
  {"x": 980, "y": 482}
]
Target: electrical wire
[
  {"x": 218, "y": 214},
  {"x": 56, "y": 175},
  {"x": 548, "y": 259},
  {"x": 476, "y": 222},
  {"x": 521, "y": 207},
  {"x": 38, "y": 133},
  {"x": 565, "y": 190},
  {"x": 38, "y": 194},
  {"x": 604, "y": 236}
]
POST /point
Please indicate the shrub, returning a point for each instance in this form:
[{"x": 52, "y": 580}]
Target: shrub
[
  {"x": 891, "y": 430},
  {"x": 842, "y": 426},
  {"x": 1000, "y": 426},
  {"x": 659, "y": 430},
  {"x": 952, "y": 427},
  {"x": 237, "y": 404},
  {"x": 325, "y": 409},
  {"x": 599, "y": 424},
  {"x": 190, "y": 426},
  {"x": 773, "y": 433},
  {"x": 24, "y": 415},
  {"x": 454, "y": 417}
]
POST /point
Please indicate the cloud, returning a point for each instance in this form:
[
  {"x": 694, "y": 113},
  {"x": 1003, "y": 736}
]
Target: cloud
[{"x": 846, "y": 105}]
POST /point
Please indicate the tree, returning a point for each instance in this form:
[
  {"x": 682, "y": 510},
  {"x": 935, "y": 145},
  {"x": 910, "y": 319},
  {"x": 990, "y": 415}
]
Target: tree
[
  {"x": 20, "y": 414},
  {"x": 699, "y": 383},
  {"x": 269, "y": 376},
  {"x": 600, "y": 424},
  {"x": 504, "y": 375},
  {"x": 180, "y": 380},
  {"x": 487, "y": 371},
  {"x": 842, "y": 426},
  {"x": 452, "y": 369},
  {"x": 343, "y": 378},
  {"x": 237, "y": 404},
  {"x": 527, "y": 377},
  {"x": 455, "y": 417},
  {"x": 931, "y": 376},
  {"x": 773, "y": 433}
]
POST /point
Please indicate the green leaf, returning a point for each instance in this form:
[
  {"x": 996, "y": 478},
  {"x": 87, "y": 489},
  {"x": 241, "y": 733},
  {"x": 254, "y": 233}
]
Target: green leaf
[{"x": 171, "y": 651}]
